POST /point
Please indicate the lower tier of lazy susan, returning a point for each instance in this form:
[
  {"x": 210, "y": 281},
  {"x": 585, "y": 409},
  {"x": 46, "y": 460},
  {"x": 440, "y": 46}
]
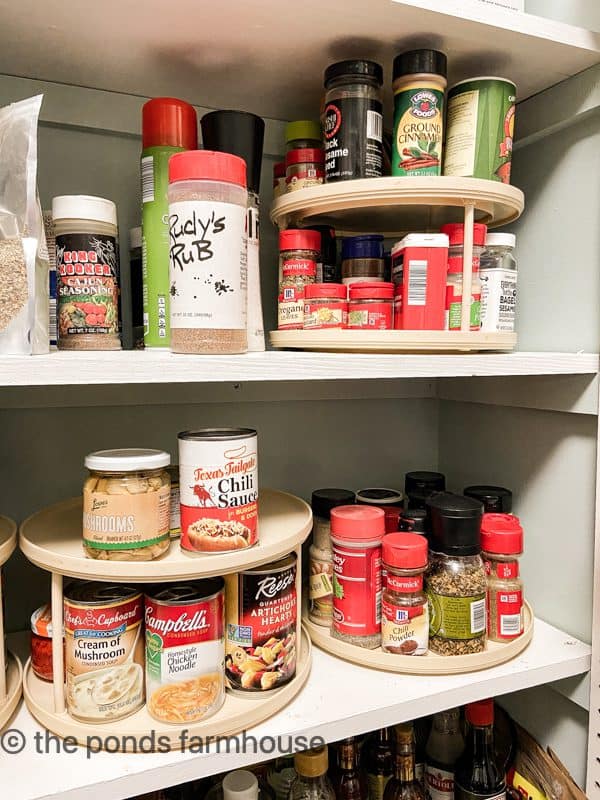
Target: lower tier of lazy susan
[
  {"x": 429, "y": 664},
  {"x": 14, "y": 687},
  {"x": 141, "y": 733}
]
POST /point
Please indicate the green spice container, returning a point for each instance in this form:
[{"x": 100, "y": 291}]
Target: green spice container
[
  {"x": 168, "y": 126},
  {"x": 419, "y": 84},
  {"x": 480, "y": 129}
]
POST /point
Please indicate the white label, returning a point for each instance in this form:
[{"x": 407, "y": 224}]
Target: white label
[
  {"x": 510, "y": 624},
  {"x": 417, "y": 283},
  {"x": 208, "y": 265},
  {"x": 148, "y": 179},
  {"x": 218, "y": 474},
  {"x": 374, "y": 126},
  {"x": 439, "y": 783},
  {"x": 498, "y": 299},
  {"x": 478, "y": 624},
  {"x": 461, "y": 124},
  {"x": 256, "y": 333}
]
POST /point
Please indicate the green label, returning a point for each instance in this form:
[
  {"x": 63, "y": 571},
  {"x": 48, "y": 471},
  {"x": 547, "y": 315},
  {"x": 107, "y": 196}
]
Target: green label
[
  {"x": 455, "y": 315},
  {"x": 153, "y": 653},
  {"x": 418, "y": 129},
  {"x": 155, "y": 244},
  {"x": 124, "y": 545},
  {"x": 456, "y": 617}
]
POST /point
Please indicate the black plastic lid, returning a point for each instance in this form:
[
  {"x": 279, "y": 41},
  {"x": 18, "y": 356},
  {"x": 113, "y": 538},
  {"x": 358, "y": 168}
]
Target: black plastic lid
[
  {"x": 414, "y": 61},
  {"x": 239, "y": 133},
  {"x": 328, "y": 243},
  {"x": 420, "y": 484},
  {"x": 416, "y": 520},
  {"x": 455, "y": 524},
  {"x": 375, "y": 497},
  {"x": 495, "y": 499},
  {"x": 323, "y": 500},
  {"x": 358, "y": 69}
]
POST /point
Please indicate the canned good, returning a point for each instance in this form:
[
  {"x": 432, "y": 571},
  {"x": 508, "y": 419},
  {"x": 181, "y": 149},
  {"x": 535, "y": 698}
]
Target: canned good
[
  {"x": 175, "y": 514},
  {"x": 261, "y": 626},
  {"x": 104, "y": 652},
  {"x": 41, "y": 642},
  {"x": 218, "y": 484},
  {"x": 185, "y": 651}
]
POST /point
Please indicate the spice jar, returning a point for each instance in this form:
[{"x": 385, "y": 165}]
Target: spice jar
[
  {"x": 328, "y": 270},
  {"x": 415, "y": 521},
  {"x": 279, "y": 184},
  {"x": 126, "y": 505},
  {"x": 371, "y": 306},
  {"x": 498, "y": 283},
  {"x": 363, "y": 259},
  {"x": 456, "y": 581},
  {"x": 356, "y": 534},
  {"x": 87, "y": 268},
  {"x": 419, "y": 272},
  {"x": 501, "y": 544},
  {"x": 494, "y": 499},
  {"x": 379, "y": 497},
  {"x": 298, "y": 256},
  {"x": 41, "y": 642},
  {"x": 301, "y": 134},
  {"x": 320, "y": 592},
  {"x": 404, "y": 607},
  {"x": 207, "y": 233},
  {"x": 304, "y": 168},
  {"x": 352, "y": 121},
  {"x": 419, "y": 85},
  {"x": 325, "y": 305},
  {"x": 454, "y": 283},
  {"x": 419, "y": 484}
]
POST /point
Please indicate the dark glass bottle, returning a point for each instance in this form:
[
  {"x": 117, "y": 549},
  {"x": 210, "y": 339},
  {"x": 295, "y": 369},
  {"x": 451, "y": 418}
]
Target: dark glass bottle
[
  {"x": 378, "y": 762},
  {"x": 350, "y": 783},
  {"x": 477, "y": 775},
  {"x": 404, "y": 785}
]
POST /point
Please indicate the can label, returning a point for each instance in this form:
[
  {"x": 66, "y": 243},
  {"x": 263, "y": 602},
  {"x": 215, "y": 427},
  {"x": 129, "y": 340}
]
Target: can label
[
  {"x": 174, "y": 512},
  {"x": 457, "y": 617},
  {"x": 125, "y": 521},
  {"x": 439, "y": 783},
  {"x": 418, "y": 126},
  {"x": 320, "y": 590},
  {"x": 87, "y": 267},
  {"x": 376, "y": 316},
  {"x": 184, "y": 659},
  {"x": 356, "y": 590},
  {"x": 498, "y": 299},
  {"x": 353, "y": 134},
  {"x": 319, "y": 315},
  {"x": 104, "y": 658},
  {"x": 261, "y": 627},
  {"x": 404, "y": 629},
  {"x": 218, "y": 484}
]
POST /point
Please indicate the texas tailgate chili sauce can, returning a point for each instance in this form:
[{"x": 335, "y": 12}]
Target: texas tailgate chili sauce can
[
  {"x": 261, "y": 626},
  {"x": 218, "y": 485}
]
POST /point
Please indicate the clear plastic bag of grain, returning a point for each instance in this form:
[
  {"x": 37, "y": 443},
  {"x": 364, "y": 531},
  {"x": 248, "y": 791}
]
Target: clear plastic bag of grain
[{"x": 23, "y": 252}]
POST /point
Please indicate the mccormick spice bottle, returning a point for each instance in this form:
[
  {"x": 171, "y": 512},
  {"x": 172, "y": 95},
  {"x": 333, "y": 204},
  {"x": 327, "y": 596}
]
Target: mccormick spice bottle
[
  {"x": 501, "y": 545},
  {"x": 404, "y": 612},
  {"x": 298, "y": 256},
  {"x": 371, "y": 306},
  {"x": 325, "y": 306},
  {"x": 454, "y": 284}
]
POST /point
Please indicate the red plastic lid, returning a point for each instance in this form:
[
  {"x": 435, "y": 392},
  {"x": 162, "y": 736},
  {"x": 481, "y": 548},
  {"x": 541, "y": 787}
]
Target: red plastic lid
[
  {"x": 456, "y": 233},
  {"x": 405, "y": 550},
  {"x": 169, "y": 122},
  {"x": 371, "y": 291},
  {"x": 296, "y": 239},
  {"x": 279, "y": 170},
  {"x": 392, "y": 518},
  {"x": 501, "y": 533},
  {"x": 305, "y": 155},
  {"x": 360, "y": 523},
  {"x": 480, "y": 713},
  {"x": 336, "y": 290},
  {"x": 207, "y": 165}
]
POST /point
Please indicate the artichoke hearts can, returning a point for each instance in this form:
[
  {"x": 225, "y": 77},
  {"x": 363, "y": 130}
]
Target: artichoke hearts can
[
  {"x": 218, "y": 486},
  {"x": 185, "y": 650},
  {"x": 480, "y": 129},
  {"x": 104, "y": 650},
  {"x": 261, "y": 619}
]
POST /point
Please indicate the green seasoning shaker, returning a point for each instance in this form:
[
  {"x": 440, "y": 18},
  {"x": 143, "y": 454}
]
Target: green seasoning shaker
[{"x": 168, "y": 126}]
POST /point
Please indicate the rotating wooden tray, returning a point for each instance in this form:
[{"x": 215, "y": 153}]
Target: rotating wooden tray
[
  {"x": 14, "y": 688},
  {"x": 8, "y": 538},
  {"x": 429, "y": 664}
]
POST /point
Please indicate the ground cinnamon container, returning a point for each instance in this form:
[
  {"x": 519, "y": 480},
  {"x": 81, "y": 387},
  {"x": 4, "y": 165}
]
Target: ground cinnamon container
[{"x": 371, "y": 306}]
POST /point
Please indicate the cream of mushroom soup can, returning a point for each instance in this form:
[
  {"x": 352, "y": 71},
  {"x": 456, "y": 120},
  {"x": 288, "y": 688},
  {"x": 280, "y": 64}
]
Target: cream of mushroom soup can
[
  {"x": 104, "y": 650},
  {"x": 218, "y": 488}
]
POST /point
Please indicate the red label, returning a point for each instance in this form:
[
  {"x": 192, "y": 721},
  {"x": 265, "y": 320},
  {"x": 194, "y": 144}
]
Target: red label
[
  {"x": 356, "y": 590},
  {"x": 299, "y": 266},
  {"x": 376, "y": 316},
  {"x": 179, "y": 625},
  {"x": 397, "y": 584},
  {"x": 509, "y": 569},
  {"x": 508, "y": 622},
  {"x": 317, "y": 314},
  {"x": 111, "y": 617},
  {"x": 310, "y": 173}
]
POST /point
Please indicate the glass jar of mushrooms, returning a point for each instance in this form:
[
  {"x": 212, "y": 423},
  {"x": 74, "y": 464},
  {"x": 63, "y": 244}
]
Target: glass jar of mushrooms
[{"x": 126, "y": 501}]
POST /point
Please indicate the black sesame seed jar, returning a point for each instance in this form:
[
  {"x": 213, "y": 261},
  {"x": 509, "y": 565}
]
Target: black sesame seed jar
[{"x": 352, "y": 121}]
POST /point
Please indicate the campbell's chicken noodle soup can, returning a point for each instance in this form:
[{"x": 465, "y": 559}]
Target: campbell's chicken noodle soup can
[
  {"x": 185, "y": 650},
  {"x": 261, "y": 621},
  {"x": 104, "y": 650},
  {"x": 218, "y": 487}
]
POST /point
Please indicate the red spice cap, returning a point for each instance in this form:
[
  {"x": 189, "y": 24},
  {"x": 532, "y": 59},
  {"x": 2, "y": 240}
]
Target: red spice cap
[
  {"x": 169, "y": 122},
  {"x": 279, "y": 170},
  {"x": 501, "y": 533},
  {"x": 305, "y": 155},
  {"x": 392, "y": 518},
  {"x": 405, "y": 550},
  {"x": 456, "y": 233},
  {"x": 336, "y": 290},
  {"x": 480, "y": 713},
  {"x": 370, "y": 290},
  {"x": 358, "y": 522},
  {"x": 296, "y": 239},
  {"x": 207, "y": 165}
]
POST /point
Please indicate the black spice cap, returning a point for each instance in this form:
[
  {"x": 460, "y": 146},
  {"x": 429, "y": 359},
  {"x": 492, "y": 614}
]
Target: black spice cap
[
  {"x": 495, "y": 499},
  {"x": 420, "y": 484},
  {"x": 323, "y": 500},
  {"x": 415, "y": 61},
  {"x": 415, "y": 520},
  {"x": 239, "y": 133},
  {"x": 359, "y": 69},
  {"x": 455, "y": 524}
]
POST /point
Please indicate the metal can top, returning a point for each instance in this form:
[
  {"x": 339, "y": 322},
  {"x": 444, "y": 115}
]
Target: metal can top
[
  {"x": 96, "y": 593},
  {"x": 178, "y": 594},
  {"x": 217, "y": 434}
]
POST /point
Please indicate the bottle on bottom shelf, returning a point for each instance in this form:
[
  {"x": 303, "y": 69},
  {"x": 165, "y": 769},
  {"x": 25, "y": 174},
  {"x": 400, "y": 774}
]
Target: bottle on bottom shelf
[
  {"x": 444, "y": 746},
  {"x": 311, "y": 782},
  {"x": 404, "y": 785},
  {"x": 350, "y": 783},
  {"x": 378, "y": 761},
  {"x": 477, "y": 775}
]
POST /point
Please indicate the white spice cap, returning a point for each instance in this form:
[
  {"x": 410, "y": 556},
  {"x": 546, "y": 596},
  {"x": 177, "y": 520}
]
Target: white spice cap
[
  {"x": 127, "y": 460},
  {"x": 240, "y": 785},
  {"x": 500, "y": 240},
  {"x": 84, "y": 206}
]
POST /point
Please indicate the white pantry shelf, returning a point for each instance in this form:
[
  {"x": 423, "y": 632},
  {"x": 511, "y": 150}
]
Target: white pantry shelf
[{"x": 321, "y": 709}]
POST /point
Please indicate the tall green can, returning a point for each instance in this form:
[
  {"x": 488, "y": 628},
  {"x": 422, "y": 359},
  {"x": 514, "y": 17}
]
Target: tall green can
[
  {"x": 480, "y": 128},
  {"x": 168, "y": 126}
]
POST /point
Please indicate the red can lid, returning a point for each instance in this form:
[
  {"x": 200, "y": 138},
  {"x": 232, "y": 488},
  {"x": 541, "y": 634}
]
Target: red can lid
[
  {"x": 501, "y": 533},
  {"x": 392, "y": 518},
  {"x": 305, "y": 155},
  {"x": 279, "y": 170},
  {"x": 207, "y": 165},
  {"x": 367, "y": 290},
  {"x": 456, "y": 233},
  {"x": 296, "y": 239},
  {"x": 169, "y": 122},
  {"x": 360, "y": 523},
  {"x": 480, "y": 713},
  {"x": 405, "y": 550},
  {"x": 336, "y": 290}
]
